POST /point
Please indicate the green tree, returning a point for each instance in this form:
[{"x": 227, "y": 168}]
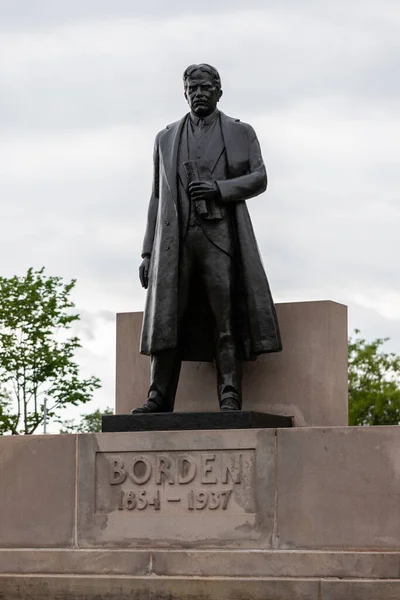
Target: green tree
[
  {"x": 6, "y": 414},
  {"x": 374, "y": 383},
  {"x": 36, "y": 352},
  {"x": 89, "y": 423}
]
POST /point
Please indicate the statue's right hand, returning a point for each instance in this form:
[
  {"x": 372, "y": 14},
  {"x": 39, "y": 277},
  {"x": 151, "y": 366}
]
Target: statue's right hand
[{"x": 144, "y": 272}]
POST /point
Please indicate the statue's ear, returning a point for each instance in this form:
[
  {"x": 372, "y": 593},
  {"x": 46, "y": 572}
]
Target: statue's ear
[
  {"x": 220, "y": 94},
  {"x": 185, "y": 94}
]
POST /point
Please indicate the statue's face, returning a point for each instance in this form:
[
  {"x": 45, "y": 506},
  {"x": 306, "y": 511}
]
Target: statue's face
[{"x": 201, "y": 93}]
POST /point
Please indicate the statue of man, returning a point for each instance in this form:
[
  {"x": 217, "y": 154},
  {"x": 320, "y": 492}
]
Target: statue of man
[{"x": 208, "y": 297}]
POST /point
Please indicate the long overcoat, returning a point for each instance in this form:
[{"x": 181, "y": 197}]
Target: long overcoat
[{"x": 256, "y": 323}]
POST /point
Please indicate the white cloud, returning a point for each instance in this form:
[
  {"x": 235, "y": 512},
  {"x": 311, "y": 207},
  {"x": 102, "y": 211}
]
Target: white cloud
[{"x": 72, "y": 155}]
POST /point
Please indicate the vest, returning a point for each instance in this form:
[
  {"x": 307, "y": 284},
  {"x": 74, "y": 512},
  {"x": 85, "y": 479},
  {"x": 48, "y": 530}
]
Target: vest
[{"x": 207, "y": 145}]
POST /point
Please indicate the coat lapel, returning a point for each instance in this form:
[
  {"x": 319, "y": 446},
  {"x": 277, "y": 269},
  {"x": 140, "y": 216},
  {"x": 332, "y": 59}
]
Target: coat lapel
[
  {"x": 183, "y": 156},
  {"x": 169, "y": 146},
  {"x": 216, "y": 146},
  {"x": 231, "y": 142}
]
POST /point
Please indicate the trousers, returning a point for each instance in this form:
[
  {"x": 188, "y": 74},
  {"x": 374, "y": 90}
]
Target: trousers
[{"x": 200, "y": 258}]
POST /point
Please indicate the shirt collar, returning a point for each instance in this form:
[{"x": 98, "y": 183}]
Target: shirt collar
[{"x": 206, "y": 120}]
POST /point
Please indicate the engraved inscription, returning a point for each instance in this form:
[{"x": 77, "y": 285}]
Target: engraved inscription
[
  {"x": 141, "y": 500},
  {"x": 213, "y": 469},
  {"x": 204, "y": 482}
]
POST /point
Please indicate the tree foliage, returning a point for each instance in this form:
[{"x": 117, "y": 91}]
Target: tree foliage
[
  {"x": 6, "y": 416},
  {"x": 89, "y": 423},
  {"x": 374, "y": 383},
  {"x": 36, "y": 352}
]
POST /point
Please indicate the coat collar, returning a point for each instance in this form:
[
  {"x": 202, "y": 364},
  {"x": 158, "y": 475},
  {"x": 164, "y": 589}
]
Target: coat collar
[{"x": 206, "y": 121}]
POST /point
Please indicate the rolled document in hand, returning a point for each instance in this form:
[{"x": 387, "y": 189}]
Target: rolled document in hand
[{"x": 198, "y": 171}]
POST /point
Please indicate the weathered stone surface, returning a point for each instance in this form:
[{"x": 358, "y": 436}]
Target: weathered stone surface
[
  {"x": 276, "y": 564},
  {"x": 61, "y": 587},
  {"x": 338, "y": 488},
  {"x": 202, "y": 563},
  {"x": 176, "y": 489},
  {"x": 148, "y": 588},
  {"x": 307, "y": 380},
  {"x": 37, "y": 497},
  {"x": 73, "y": 561},
  {"x": 360, "y": 590}
]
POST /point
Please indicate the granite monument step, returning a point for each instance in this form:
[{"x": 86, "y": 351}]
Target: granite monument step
[{"x": 148, "y": 587}]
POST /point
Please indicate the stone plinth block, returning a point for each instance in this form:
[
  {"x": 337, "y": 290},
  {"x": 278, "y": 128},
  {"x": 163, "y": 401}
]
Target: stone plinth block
[
  {"x": 339, "y": 488},
  {"x": 307, "y": 380},
  {"x": 186, "y": 489},
  {"x": 37, "y": 492},
  {"x": 256, "y": 514}
]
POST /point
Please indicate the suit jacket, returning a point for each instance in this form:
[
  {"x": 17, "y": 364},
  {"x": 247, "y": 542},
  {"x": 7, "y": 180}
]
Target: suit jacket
[{"x": 257, "y": 325}]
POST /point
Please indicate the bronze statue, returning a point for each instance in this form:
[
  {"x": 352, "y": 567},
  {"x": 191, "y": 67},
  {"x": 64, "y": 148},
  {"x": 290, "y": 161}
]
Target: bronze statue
[{"x": 208, "y": 296}]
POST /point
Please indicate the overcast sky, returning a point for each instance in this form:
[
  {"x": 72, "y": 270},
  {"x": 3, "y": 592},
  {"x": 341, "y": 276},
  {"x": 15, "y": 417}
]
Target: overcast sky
[{"x": 86, "y": 84}]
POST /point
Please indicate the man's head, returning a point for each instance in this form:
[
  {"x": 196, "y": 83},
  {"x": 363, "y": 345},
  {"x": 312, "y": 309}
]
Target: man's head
[{"x": 202, "y": 85}]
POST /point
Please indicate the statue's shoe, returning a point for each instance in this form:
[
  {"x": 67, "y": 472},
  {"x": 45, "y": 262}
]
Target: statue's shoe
[
  {"x": 149, "y": 407},
  {"x": 230, "y": 404}
]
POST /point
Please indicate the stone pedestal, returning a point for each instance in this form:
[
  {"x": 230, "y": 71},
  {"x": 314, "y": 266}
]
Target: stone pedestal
[
  {"x": 259, "y": 511},
  {"x": 258, "y": 514},
  {"x": 307, "y": 380}
]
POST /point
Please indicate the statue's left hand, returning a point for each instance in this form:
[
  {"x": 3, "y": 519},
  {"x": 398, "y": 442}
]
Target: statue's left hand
[
  {"x": 144, "y": 272},
  {"x": 204, "y": 190}
]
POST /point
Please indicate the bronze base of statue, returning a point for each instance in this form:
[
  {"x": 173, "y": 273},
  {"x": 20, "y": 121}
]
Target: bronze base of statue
[{"x": 181, "y": 421}]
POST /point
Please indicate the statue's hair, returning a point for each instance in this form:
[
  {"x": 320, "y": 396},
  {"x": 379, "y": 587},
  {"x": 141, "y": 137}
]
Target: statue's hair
[{"x": 207, "y": 69}]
